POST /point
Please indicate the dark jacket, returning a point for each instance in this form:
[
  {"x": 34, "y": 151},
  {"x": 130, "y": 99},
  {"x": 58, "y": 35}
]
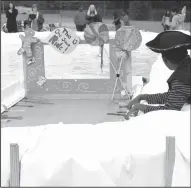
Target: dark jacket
[
  {"x": 183, "y": 74},
  {"x": 39, "y": 22},
  {"x": 11, "y": 20},
  {"x": 95, "y": 18},
  {"x": 116, "y": 19},
  {"x": 80, "y": 18}
]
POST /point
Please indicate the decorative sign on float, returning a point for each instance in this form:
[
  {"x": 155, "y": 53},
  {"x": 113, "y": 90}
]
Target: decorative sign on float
[
  {"x": 63, "y": 40},
  {"x": 128, "y": 38},
  {"x": 27, "y": 40},
  {"x": 97, "y": 34}
]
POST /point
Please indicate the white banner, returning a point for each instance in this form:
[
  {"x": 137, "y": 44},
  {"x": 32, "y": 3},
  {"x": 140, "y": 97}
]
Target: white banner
[{"x": 63, "y": 40}]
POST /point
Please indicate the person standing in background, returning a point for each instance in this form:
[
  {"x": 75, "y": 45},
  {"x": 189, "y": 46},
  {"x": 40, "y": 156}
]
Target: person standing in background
[
  {"x": 92, "y": 17},
  {"x": 166, "y": 20},
  {"x": 125, "y": 18},
  {"x": 177, "y": 20},
  {"x": 80, "y": 20},
  {"x": 116, "y": 20},
  {"x": 11, "y": 15},
  {"x": 36, "y": 19},
  {"x": 184, "y": 14}
]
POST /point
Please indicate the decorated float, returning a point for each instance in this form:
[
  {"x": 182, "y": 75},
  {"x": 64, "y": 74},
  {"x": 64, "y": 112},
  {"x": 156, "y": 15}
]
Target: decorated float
[{"x": 81, "y": 151}]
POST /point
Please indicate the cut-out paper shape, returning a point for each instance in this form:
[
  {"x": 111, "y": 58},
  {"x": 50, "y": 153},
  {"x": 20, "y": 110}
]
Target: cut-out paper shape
[
  {"x": 128, "y": 38},
  {"x": 27, "y": 40},
  {"x": 41, "y": 81},
  {"x": 96, "y": 34},
  {"x": 63, "y": 40}
]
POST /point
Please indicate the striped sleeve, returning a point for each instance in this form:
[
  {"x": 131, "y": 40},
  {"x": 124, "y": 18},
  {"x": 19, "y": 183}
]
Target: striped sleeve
[
  {"x": 176, "y": 97},
  {"x": 159, "y": 98}
]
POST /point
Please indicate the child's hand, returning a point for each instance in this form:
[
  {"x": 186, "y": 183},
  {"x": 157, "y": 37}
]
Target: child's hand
[
  {"x": 136, "y": 100},
  {"x": 134, "y": 110}
]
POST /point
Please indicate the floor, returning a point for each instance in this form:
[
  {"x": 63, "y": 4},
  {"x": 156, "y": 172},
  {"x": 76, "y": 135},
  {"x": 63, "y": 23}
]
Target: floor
[{"x": 35, "y": 113}]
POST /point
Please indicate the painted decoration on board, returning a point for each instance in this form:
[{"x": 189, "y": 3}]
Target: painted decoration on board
[
  {"x": 128, "y": 38},
  {"x": 41, "y": 81},
  {"x": 27, "y": 40},
  {"x": 63, "y": 40},
  {"x": 96, "y": 34}
]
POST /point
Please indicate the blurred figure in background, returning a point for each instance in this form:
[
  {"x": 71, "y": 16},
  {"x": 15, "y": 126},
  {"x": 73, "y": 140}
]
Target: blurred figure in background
[
  {"x": 92, "y": 15},
  {"x": 80, "y": 20},
  {"x": 177, "y": 20},
  {"x": 125, "y": 18},
  {"x": 184, "y": 14},
  {"x": 166, "y": 20},
  {"x": 116, "y": 20},
  {"x": 27, "y": 24},
  {"x": 11, "y": 15},
  {"x": 36, "y": 19}
]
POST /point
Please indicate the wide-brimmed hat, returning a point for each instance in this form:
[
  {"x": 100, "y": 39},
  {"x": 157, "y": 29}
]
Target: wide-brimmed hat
[{"x": 169, "y": 40}]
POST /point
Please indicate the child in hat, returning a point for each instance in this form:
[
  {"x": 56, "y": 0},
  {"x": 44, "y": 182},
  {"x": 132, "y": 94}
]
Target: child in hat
[{"x": 173, "y": 46}]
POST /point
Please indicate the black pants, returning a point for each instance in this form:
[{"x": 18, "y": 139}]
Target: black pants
[
  {"x": 80, "y": 27},
  {"x": 12, "y": 28},
  {"x": 166, "y": 27},
  {"x": 117, "y": 26}
]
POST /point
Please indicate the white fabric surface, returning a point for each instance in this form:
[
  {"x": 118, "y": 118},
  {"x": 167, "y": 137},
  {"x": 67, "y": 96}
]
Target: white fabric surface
[
  {"x": 129, "y": 153},
  {"x": 158, "y": 77}
]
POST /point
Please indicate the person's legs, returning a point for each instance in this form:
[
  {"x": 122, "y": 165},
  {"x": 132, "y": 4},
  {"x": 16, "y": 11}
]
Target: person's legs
[
  {"x": 118, "y": 26},
  {"x": 83, "y": 27},
  {"x": 10, "y": 30},
  {"x": 15, "y": 29},
  {"x": 164, "y": 27},
  {"x": 167, "y": 27},
  {"x": 78, "y": 27}
]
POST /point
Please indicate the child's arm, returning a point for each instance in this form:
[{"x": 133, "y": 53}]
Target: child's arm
[
  {"x": 115, "y": 20},
  {"x": 175, "y": 99},
  {"x": 7, "y": 14},
  {"x": 159, "y": 98},
  {"x": 174, "y": 22},
  {"x": 15, "y": 12},
  {"x": 163, "y": 20}
]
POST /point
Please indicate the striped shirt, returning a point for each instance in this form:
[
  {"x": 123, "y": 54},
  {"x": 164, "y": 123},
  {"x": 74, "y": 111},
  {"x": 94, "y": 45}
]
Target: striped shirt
[{"x": 174, "y": 99}]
